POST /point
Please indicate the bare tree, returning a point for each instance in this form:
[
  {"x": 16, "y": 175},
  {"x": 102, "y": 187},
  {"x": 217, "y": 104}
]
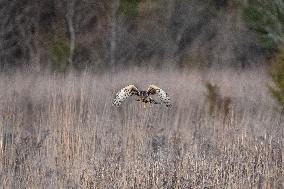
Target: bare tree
[
  {"x": 69, "y": 18},
  {"x": 114, "y": 9},
  {"x": 27, "y": 23},
  {"x": 6, "y": 28},
  {"x": 14, "y": 44}
]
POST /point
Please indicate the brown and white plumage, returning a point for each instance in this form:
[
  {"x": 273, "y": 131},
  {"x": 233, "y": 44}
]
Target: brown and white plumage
[
  {"x": 163, "y": 96},
  {"x": 124, "y": 93},
  {"x": 130, "y": 90}
]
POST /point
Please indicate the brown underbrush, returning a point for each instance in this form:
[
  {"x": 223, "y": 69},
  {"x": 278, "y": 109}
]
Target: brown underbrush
[{"x": 63, "y": 132}]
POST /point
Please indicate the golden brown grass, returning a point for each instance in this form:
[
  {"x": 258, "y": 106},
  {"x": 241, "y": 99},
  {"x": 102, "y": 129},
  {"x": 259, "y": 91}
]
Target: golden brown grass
[{"x": 62, "y": 132}]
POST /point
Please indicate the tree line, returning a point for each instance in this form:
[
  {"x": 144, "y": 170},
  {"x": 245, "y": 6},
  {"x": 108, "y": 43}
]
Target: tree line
[{"x": 70, "y": 34}]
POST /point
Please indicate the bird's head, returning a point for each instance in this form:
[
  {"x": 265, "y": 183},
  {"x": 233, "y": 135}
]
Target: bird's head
[{"x": 143, "y": 95}]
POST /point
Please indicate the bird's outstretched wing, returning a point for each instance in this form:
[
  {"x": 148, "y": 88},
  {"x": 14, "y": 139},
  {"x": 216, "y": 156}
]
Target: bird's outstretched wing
[
  {"x": 163, "y": 96},
  {"x": 124, "y": 93}
]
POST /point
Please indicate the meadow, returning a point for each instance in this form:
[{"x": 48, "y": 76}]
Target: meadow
[{"x": 63, "y": 132}]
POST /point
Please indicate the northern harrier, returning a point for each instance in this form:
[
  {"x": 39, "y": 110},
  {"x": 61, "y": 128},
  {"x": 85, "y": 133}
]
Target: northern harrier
[{"x": 144, "y": 96}]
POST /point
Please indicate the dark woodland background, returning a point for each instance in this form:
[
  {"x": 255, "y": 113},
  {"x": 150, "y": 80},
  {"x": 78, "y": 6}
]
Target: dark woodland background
[{"x": 100, "y": 35}]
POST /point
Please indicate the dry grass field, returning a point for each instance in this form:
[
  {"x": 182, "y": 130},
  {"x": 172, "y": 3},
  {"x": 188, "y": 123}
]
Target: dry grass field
[{"x": 62, "y": 132}]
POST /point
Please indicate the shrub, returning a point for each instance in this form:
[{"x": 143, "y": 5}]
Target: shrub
[
  {"x": 265, "y": 18},
  {"x": 129, "y": 7},
  {"x": 59, "y": 52},
  {"x": 218, "y": 105},
  {"x": 276, "y": 72}
]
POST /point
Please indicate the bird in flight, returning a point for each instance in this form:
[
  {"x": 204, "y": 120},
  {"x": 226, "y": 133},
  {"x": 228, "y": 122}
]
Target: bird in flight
[{"x": 144, "y": 96}]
